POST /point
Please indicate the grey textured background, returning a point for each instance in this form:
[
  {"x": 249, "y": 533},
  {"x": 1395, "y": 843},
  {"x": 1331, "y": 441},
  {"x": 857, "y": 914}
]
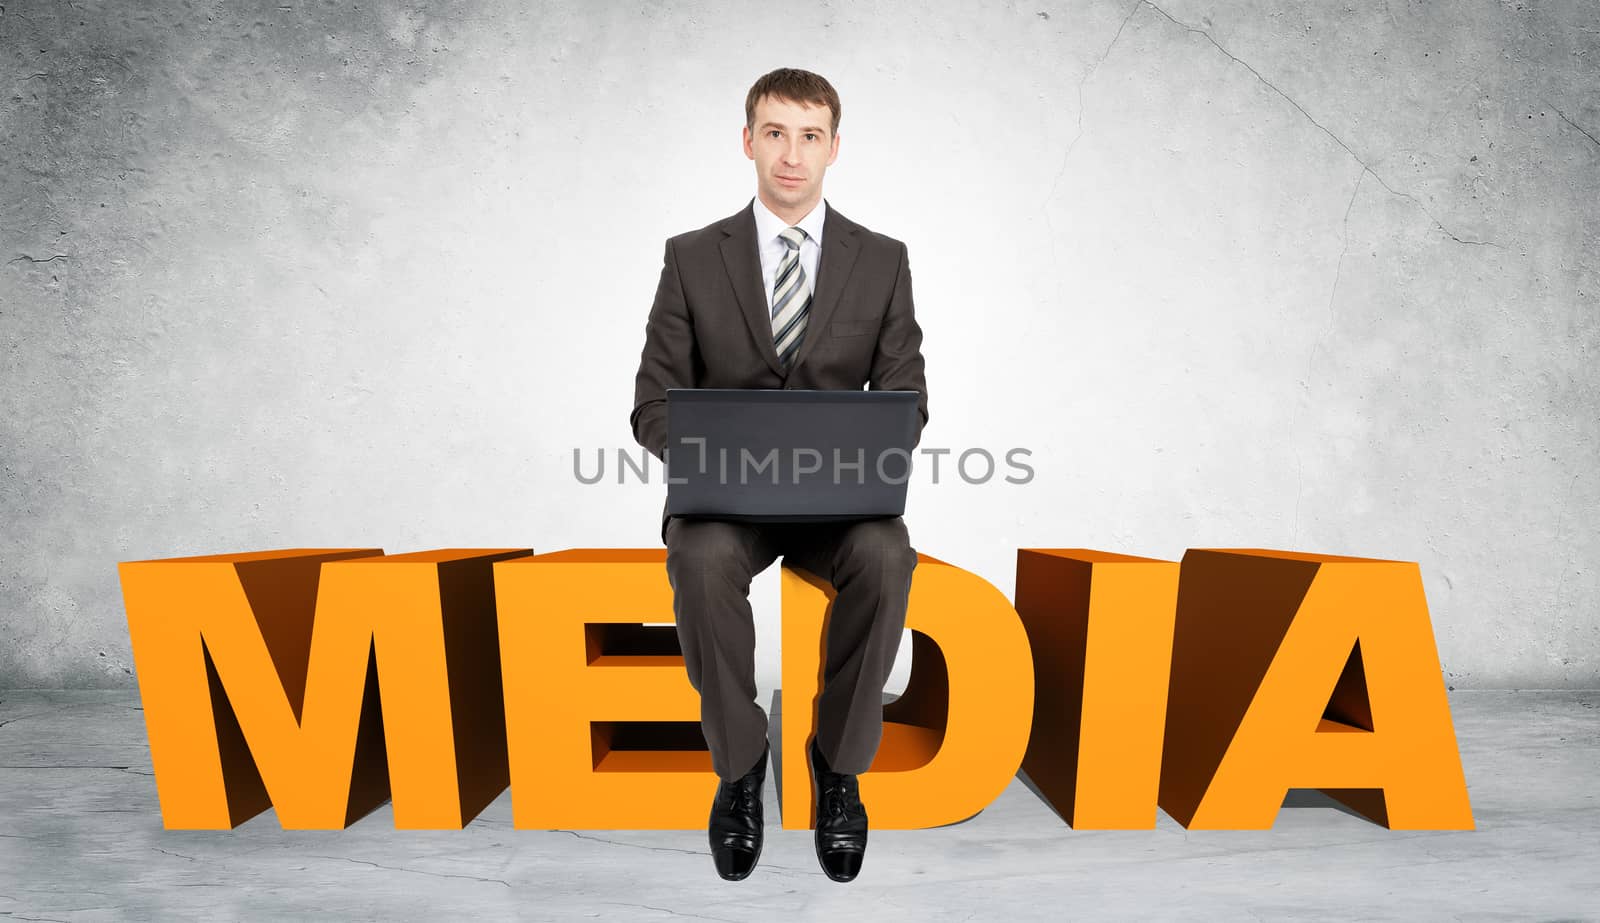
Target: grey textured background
[{"x": 1320, "y": 276}]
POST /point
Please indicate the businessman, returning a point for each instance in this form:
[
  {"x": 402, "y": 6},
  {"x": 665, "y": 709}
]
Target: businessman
[{"x": 785, "y": 293}]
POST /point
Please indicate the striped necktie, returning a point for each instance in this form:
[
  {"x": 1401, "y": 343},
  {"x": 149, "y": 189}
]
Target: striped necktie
[{"x": 791, "y": 298}]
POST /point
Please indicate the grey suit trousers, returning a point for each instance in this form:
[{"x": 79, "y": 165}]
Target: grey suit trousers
[{"x": 710, "y": 564}]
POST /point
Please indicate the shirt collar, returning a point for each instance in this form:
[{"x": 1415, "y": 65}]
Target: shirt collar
[{"x": 769, "y": 226}]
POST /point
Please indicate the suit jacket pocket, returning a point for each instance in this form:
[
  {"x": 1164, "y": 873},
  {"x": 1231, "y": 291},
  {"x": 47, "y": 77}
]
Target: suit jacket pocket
[{"x": 853, "y": 328}]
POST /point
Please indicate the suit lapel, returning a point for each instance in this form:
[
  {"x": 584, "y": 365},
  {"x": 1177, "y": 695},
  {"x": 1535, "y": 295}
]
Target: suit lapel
[
  {"x": 839, "y": 250},
  {"x": 743, "y": 263}
]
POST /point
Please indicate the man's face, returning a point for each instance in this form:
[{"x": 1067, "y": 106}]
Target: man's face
[{"x": 792, "y": 145}]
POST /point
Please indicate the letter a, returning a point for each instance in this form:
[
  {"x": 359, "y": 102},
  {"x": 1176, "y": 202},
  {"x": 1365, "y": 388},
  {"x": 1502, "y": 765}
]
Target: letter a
[{"x": 1307, "y": 671}]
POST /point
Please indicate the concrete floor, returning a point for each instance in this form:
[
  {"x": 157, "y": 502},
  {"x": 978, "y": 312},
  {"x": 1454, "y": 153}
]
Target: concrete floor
[{"x": 81, "y": 838}]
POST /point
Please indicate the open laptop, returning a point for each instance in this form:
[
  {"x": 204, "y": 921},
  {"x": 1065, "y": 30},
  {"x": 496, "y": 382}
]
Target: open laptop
[{"x": 788, "y": 455}]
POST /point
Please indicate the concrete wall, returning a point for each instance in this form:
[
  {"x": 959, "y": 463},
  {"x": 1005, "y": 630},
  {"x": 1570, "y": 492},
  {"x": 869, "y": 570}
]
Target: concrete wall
[{"x": 1308, "y": 275}]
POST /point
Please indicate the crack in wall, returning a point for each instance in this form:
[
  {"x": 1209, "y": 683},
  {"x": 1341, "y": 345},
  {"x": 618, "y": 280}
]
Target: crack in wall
[
  {"x": 394, "y": 868},
  {"x": 74, "y": 706},
  {"x": 1366, "y": 168},
  {"x": 1327, "y": 330},
  {"x": 689, "y": 852},
  {"x": 1081, "y": 83},
  {"x": 1581, "y": 130},
  {"x": 1078, "y": 135},
  {"x": 126, "y": 769},
  {"x": 21, "y": 718},
  {"x": 671, "y": 912},
  {"x": 595, "y": 839},
  {"x": 1323, "y": 128}
]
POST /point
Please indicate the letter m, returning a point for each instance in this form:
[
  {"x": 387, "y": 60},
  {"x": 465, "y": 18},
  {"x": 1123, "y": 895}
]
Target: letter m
[{"x": 260, "y": 677}]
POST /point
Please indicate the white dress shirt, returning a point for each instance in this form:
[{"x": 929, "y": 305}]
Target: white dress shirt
[{"x": 772, "y": 248}]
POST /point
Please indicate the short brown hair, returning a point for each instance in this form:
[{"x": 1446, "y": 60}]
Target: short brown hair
[{"x": 796, "y": 86}]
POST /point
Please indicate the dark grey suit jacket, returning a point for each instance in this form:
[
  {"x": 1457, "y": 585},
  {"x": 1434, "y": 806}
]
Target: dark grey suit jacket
[{"x": 710, "y": 328}]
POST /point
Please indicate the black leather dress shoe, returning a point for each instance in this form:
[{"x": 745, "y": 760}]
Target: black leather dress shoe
[
  {"x": 841, "y": 835},
  {"x": 736, "y": 823}
]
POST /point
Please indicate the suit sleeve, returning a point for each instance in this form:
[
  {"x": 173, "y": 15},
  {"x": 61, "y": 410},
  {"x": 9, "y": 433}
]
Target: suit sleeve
[
  {"x": 897, "y": 362},
  {"x": 667, "y": 361}
]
